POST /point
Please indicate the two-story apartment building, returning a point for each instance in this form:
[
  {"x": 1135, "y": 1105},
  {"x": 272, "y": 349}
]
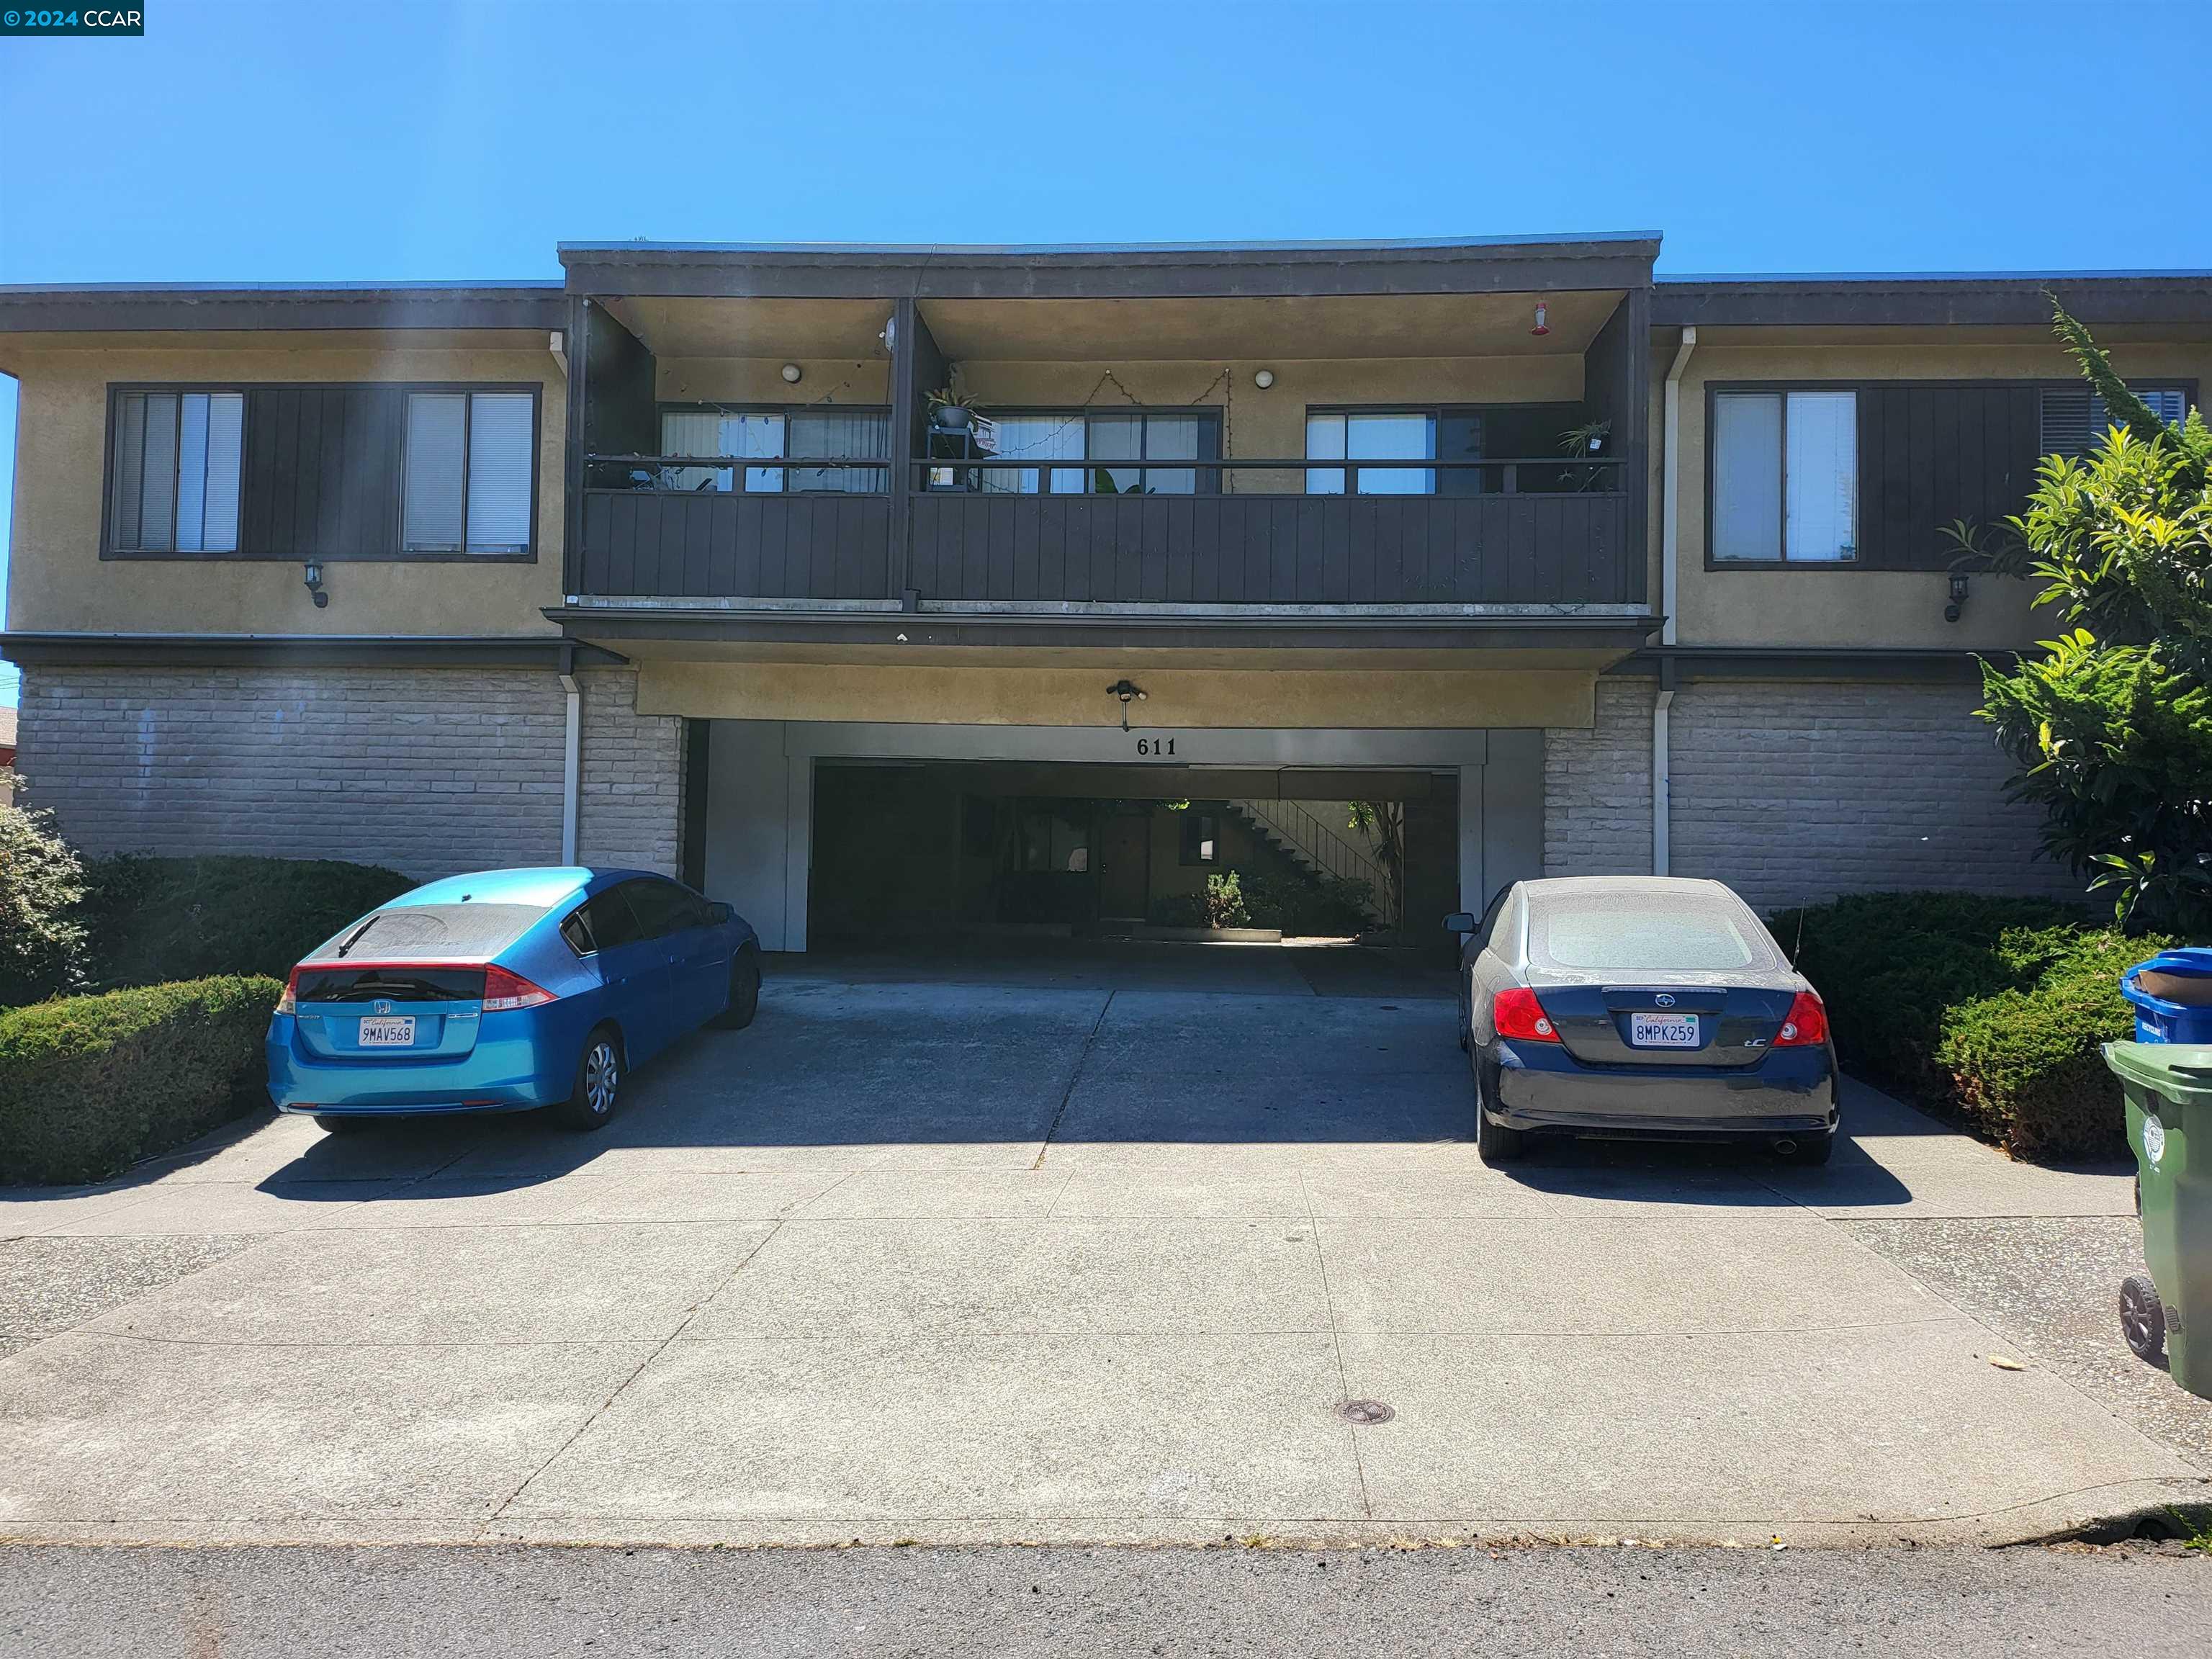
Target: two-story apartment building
[{"x": 885, "y": 587}]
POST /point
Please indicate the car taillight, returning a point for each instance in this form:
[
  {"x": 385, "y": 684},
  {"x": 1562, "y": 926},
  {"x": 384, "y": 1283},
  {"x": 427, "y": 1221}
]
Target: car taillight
[
  {"x": 504, "y": 991},
  {"x": 1805, "y": 1024},
  {"x": 290, "y": 1002},
  {"x": 1517, "y": 1014}
]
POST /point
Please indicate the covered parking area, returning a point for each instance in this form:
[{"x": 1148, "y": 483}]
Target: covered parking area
[{"x": 825, "y": 832}]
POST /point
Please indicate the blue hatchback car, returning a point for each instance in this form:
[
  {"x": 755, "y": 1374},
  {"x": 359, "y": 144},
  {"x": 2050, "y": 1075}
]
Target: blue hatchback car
[{"x": 507, "y": 991}]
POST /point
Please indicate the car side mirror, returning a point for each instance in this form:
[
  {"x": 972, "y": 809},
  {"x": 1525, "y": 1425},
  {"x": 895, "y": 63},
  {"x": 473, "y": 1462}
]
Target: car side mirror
[
  {"x": 719, "y": 912},
  {"x": 1459, "y": 922}
]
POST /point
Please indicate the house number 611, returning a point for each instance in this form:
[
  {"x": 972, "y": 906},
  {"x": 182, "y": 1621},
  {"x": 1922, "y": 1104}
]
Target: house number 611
[{"x": 1147, "y": 746}]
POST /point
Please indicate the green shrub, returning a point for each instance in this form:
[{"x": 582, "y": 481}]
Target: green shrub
[
  {"x": 1224, "y": 900},
  {"x": 1989, "y": 1012},
  {"x": 41, "y": 882},
  {"x": 1220, "y": 904},
  {"x": 153, "y": 921},
  {"x": 89, "y": 1084},
  {"x": 2026, "y": 1067},
  {"x": 1179, "y": 910},
  {"x": 1300, "y": 903}
]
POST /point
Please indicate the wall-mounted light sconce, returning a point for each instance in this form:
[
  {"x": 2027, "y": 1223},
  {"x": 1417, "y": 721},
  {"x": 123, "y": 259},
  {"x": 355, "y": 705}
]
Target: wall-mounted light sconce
[
  {"x": 1128, "y": 693},
  {"x": 1957, "y": 608},
  {"x": 791, "y": 373},
  {"x": 314, "y": 579},
  {"x": 1264, "y": 378},
  {"x": 1543, "y": 321},
  {"x": 888, "y": 337}
]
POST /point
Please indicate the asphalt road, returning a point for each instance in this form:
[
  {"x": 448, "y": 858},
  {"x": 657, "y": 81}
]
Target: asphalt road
[{"x": 471, "y": 1603}]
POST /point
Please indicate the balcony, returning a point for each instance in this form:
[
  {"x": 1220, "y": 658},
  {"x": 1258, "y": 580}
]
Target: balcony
[
  {"x": 1493, "y": 544},
  {"x": 1237, "y": 526}
]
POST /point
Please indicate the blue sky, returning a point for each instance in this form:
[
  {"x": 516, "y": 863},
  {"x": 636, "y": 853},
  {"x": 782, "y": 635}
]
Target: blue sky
[{"x": 309, "y": 142}]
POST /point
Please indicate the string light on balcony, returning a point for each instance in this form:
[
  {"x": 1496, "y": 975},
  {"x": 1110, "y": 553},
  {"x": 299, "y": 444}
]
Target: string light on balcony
[{"x": 1543, "y": 324}]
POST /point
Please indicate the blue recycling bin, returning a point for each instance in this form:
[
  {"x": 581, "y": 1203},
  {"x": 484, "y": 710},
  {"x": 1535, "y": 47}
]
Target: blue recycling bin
[{"x": 2172, "y": 996}]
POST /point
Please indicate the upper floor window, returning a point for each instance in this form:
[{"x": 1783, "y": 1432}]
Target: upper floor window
[
  {"x": 468, "y": 473},
  {"x": 1785, "y": 476},
  {"x": 1371, "y": 435},
  {"x": 1112, "y": 453},
  {"x": 825, "y": 433},
  {"x": 2075, "y": 417},
  {"x": 350, "y": 470},
  {"x": 174, "y": 472}
]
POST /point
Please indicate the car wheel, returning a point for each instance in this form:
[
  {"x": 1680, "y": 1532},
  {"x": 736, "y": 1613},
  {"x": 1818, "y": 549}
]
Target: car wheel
[
  {"x": 2143, "y": 1318},
  {"x": 1810, "y": 1152},
  {"x": 1493, "y": 1142},
  {"x": 343, "y": 1123},
  {"x": 592, "y": 1104},
  {"x": 744, "y": 990}
]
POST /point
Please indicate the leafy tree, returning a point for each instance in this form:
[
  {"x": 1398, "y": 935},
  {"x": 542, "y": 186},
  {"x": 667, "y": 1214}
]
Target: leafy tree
[
  {"x": 2111, "y": 728},
  {"x": 1383, "y": 823},
  {"x": 41, "y": 941}
]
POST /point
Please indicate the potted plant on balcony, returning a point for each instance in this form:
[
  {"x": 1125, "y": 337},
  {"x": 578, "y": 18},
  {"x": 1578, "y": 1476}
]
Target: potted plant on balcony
[
  {"x": 1584, "y": 443},
  {"x": 951, "y": 411}
]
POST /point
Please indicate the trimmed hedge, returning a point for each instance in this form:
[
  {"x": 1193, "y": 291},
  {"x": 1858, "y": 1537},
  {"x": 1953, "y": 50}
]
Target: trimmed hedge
[
  {"x": 89, "y": 1084},
  {"x": 152, "y": 920},
  {"x": 1990, "y": 1012}
]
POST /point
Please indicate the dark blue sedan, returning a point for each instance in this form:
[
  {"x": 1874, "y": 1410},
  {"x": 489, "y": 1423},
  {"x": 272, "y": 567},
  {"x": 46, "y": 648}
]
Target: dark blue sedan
[{"x": 507, "y": 991}]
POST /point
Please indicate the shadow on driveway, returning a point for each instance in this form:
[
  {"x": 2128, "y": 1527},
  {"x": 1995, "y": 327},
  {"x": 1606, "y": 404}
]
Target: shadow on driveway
[{"x": 1046, "y": 1048}]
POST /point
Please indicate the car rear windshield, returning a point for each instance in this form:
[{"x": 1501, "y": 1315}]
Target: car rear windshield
[
  {"x": 1648, "y": 932},
  {"x": 390, "y": 984},
  {"x": 405, "y": 932}
]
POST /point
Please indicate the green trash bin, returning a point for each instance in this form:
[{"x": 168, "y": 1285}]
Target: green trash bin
[{"x": 2169, "y": 1091}]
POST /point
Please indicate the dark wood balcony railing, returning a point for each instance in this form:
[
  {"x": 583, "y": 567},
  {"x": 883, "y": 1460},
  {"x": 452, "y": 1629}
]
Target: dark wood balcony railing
[{"x": 1538, "y": 531}]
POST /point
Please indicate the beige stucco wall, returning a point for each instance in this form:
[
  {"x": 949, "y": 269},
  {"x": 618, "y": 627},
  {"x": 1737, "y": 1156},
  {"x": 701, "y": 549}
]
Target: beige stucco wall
[
  {"x": 1175, "y": 698},
  {"x": 760, "y": 380},
  {"x": 1844, "y": 607},
  {"x": 1271, "y": 425},
  {"x": 58, "y": 581}
]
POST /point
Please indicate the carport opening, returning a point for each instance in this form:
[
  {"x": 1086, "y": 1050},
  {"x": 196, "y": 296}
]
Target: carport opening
[{"x": 916, "y": 850}]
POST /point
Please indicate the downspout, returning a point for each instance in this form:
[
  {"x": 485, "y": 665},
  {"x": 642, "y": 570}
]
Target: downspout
[
  {"x": 1670, "y": 539},
  {"x": 572, "y": 767}
]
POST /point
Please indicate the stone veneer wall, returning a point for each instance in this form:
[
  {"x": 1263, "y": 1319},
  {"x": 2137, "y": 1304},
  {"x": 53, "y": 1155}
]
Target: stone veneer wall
[{"x": 427, "y": 770}]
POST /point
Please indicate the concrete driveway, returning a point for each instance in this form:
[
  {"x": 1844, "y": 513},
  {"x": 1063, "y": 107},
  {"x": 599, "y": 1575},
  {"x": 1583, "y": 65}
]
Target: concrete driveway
[{"x": 1078, "y": 1246}]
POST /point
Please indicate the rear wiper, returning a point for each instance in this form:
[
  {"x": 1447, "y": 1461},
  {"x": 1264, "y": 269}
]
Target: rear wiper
[{"x": 354, "y": 938}]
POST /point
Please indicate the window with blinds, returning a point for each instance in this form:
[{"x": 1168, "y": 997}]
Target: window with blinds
[
  {"x": 175, "y": 483},
  {"x": 467, "y": 472},
  {"x": 1374, "y": 435},
  {"x": 823, "y": 433},
  {"x": 2075, "y": 417},
  {"x": 1785, "y": 476},
  {"x": 1123, "y": 450}
]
